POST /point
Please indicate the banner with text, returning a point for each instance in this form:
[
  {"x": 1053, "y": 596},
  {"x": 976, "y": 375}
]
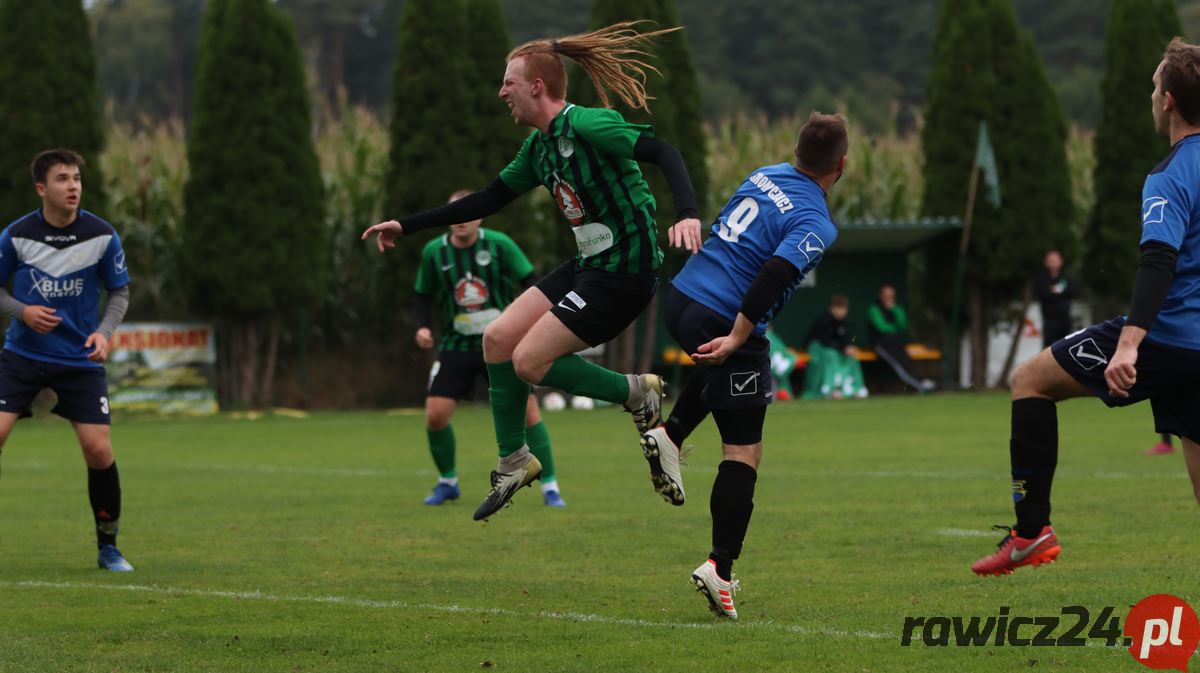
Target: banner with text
[{"x": 165, "y": 368}]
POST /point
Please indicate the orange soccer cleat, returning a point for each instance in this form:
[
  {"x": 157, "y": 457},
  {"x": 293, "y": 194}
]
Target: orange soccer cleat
[{"x": 1014, "y": 552}]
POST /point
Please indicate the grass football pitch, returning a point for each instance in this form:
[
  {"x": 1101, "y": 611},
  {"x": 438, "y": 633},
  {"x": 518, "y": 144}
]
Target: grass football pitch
[{"x": 291, "y": 545}]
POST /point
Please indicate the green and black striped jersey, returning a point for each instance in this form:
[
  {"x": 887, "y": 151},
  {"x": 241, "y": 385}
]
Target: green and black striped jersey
[
  {"x": 471, "y": 285},
  {"x": 586, "y": 161}
]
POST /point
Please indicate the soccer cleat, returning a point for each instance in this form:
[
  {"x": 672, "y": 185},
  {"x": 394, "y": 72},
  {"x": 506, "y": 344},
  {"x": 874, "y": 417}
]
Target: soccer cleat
[
  {"x": 553, "y": 498},
  {"x": 443, "y": 492},
  {"x": 718, "y": 592},
  {"x": 110, "y": 559},
  {"x": 1014, "y": 552},
  {"x": 506, "y": 484},
  {"x": 663, "y": 456},
  {"x": 1159, "y": 449},
  {"x": 649, "y": 413}
]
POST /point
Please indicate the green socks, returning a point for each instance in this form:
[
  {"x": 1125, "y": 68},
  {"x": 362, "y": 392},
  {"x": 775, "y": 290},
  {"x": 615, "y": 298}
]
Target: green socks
[
  {"x": 441, "y": 447},
  {"x": 508, "y": 395},
  {"x": 539, "y": 445},
  {"x": 580, "y": 377}
]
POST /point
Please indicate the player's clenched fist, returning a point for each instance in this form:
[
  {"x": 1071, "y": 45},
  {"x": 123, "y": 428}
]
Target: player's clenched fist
[
  {"x": 387, "y": 233},
  {"x": 40, "y": 318}
]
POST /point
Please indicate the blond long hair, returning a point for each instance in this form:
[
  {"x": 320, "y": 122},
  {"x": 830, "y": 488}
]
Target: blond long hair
[{"x": 612, "y": 57}]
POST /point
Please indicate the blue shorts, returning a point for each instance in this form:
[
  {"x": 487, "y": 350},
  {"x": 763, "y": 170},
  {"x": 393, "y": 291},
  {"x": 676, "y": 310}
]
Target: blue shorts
[
  {"x": 1166, "y": 375},
  {"x": 82, "y": 391}
]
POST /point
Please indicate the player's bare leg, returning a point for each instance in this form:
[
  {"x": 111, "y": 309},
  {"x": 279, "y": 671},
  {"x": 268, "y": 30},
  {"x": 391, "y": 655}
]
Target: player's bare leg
[
  {"x": 1191, "y": 456},
  {"x": 104, "y": 492}
]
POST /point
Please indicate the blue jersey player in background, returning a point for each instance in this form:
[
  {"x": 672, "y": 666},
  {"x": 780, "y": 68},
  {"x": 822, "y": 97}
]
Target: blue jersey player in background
[
  {"x": 772, "y": 232},
  {"x": 57, "y": 259},
  {"x": 1152, "y": 353}
]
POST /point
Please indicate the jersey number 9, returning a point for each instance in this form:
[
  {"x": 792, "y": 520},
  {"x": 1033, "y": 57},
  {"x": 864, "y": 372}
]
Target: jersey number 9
[{"x": 729, "y": 228}]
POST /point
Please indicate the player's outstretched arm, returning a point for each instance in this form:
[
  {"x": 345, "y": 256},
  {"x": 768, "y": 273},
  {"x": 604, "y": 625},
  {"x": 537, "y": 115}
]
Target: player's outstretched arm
[
  {"x": 474, "y": 206},
  {"x": 686, "y": 231}
]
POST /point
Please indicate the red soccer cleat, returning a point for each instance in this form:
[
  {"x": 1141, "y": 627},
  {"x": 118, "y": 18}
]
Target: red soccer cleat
[
  {"x": 1159, "y": 449},
  {"x": 1014, "y": 552}
]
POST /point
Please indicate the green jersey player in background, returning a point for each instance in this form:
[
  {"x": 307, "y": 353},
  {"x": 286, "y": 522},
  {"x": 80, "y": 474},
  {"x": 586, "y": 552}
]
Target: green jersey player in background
[
  {"x": 471, "y": 273},
  {"x": 588, "y": 159}
]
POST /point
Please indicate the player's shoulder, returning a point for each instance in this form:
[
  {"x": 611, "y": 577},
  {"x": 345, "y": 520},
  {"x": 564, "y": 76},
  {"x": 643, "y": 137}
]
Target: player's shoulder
[
  {"x": 91, "y": 225},
  {"x": 1181, "y": 164},
  {"x": 24, "y": 226},
  {"x": 585, "y": 117},
  {"x": 435, "y": 244}
]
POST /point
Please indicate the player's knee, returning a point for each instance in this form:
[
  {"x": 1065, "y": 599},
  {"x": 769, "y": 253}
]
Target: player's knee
[
  {"x": 526, "y": 365},
  {"x": 437, "y": 419},
  {"x": 1025, "y": 380},
  {"x": 497, "y": 344},
  {"x": 97, "y": 451}
]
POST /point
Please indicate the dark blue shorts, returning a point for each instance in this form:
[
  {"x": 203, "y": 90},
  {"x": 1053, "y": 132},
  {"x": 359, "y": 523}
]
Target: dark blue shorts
[
  {"x": 744, "y": 380},
  {"x": 1167, "y": 376},
  {"x": 82, "y": 391}
]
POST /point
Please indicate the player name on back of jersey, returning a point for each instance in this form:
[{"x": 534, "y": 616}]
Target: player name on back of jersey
[{"x": 782, "y": 202}]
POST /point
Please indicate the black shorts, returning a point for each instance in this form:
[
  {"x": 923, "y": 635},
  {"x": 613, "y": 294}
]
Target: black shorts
[
  {"x": 455, "y": 373},
  {"x": 82, "y": 391},
  {"x": 597, "y": 305},
  {"x": 1167, "y": 376},
  {"x": 743, "y": 381}
]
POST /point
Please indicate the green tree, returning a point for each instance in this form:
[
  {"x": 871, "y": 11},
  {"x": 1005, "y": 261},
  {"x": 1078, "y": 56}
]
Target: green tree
[
  {"x": 496, "y": 137},
  {"x": 985, "y": 68},
  {"x": 48, "y": 98},
  {"x": 1127, "y": 146},
  {"x": 253, "y": 238}
]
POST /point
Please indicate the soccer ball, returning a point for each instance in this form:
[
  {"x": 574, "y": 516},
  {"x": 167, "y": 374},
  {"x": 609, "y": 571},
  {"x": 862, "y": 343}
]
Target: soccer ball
[
  {"x": 583, "y": 403},
  {"x": 554, "y": 402}
]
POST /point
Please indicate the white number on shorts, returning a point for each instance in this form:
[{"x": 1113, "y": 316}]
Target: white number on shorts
[
  {"x": 741, "y": 217},
  {"x": 104, "y": 405}
]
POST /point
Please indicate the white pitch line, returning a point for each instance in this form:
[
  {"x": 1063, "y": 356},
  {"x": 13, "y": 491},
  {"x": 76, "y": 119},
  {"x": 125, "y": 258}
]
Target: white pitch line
[
  {"x": 429, "y": 607},
  {"x": 965, "y": 532}
]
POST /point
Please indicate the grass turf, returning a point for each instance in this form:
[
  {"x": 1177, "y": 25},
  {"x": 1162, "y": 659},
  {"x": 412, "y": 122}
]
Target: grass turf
[{"x": 301, "y": 545}]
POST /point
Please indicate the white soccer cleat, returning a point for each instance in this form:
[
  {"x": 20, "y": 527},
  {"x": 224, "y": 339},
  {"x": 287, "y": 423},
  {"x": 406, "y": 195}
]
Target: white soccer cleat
[
  {"x": 506, "y": 484},
  {"x": 648, "y": 413},
  {"x": 663, "y": 456},
  {"x": 718, "y": 592}
]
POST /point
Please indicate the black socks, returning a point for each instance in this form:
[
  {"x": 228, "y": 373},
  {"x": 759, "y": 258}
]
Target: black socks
[
  {"x": 1034, "y": 452},
  {"x": 104, "y": 492},
  {"x": 731, "y": 504},
  {"x": 688, "y": 412}
]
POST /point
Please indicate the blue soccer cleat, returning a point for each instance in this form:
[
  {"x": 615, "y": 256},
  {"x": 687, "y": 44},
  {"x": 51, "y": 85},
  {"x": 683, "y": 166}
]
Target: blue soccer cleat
[
  {"x": 443, "y": 492},
  {"x": 553, "y": 498},
  {"x": 110, "y": 559}
]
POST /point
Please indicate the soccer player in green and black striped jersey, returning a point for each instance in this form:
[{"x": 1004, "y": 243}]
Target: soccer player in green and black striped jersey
[
  {"x": 472, "y": 274},
  {"x": 588, "y": 159}
]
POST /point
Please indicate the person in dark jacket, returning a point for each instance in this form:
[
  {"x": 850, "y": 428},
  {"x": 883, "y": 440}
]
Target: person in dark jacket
[{"x": 1055, "y": 292}]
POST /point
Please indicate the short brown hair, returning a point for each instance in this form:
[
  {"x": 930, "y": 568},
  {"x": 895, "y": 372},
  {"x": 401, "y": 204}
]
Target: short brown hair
[
  {"x": 44, "y": 161},
  {"x": 839, "y": 300},
  {"x": 822, "y": 142},
  {"x": 1181, "y": 78}
]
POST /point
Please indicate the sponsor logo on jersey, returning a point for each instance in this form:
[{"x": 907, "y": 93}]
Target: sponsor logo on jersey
[
  {"x": 54, "y": 288},
  {"x": 470, "y": 292},
  {"x": 568, "y": 202},
  {"x": 566, "y": 147},
  {"x": 812, "y": 246},
  {"x": 483, "y": 258},
  {"x": 61, "y": 239},
  {"x": 1153, "y": 209}
]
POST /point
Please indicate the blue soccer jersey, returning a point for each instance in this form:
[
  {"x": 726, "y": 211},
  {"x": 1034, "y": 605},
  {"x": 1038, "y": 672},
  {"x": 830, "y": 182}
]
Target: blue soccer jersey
[
  {"x": 1171, "y": 215},
  {"x": 777, "y": 211},
  {"x": 63, "y": 269}
]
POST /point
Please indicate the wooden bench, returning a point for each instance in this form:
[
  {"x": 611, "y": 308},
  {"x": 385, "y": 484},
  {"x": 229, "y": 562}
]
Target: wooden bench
[{"x": 672, "y": 355}]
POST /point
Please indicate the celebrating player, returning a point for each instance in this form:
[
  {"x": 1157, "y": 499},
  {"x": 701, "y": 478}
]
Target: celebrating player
[
  {"x": 473, "y": 274},
  {"x": 772, "y": 232},
  {"x": 587, "y": 158},
  {"x": 57, "y": 258},
  {"x": 1152, "y": 353}
]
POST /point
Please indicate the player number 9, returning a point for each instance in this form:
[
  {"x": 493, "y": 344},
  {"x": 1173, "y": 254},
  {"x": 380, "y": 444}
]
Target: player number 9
[{"x": 731, "y": 227}]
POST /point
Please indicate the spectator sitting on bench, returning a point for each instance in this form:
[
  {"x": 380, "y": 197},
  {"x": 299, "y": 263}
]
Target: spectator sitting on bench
[
  {"x": 833, "y": 372},
  {"x": 887, "y": 325}
]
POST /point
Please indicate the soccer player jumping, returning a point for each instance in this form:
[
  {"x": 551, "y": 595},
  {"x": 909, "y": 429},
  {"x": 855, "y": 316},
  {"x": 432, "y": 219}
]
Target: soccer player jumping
[
  {"x": 773, "y": 231},
  {"x": 58, "y": 257},
  {"x": 587, "y": 158},
  {"x": 1152, "y": 353}
]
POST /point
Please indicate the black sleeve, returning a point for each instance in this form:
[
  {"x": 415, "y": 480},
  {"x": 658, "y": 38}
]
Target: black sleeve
[
  {"x": 772, "y": 281},
  {"x": 421, "y": 305},
  {"x": 528, "y": 281},
  {"x": 474, "y": 206},
  {"x": 1154, "y": 276},
  {"x": 670, "y": 162}
]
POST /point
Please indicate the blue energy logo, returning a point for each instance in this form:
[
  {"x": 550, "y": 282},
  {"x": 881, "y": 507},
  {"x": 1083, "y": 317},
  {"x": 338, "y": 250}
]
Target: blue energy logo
[{"x": 54, "y": 288}]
